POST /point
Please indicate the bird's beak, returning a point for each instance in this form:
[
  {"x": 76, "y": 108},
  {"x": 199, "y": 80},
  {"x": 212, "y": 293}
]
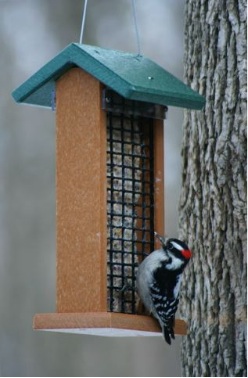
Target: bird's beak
[{"x": 160, "y": 238}]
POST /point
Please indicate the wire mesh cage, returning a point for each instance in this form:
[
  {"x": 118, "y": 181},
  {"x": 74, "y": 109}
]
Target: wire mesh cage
[{"x": 130, "y": 205}]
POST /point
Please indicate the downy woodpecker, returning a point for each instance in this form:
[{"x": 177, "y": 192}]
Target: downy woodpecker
[{"x": 158, "y": 281}]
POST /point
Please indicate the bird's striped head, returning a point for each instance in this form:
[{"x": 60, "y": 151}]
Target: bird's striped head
[{"x": 176, "y": 247}]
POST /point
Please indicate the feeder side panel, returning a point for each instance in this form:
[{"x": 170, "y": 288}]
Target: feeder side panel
[
  {"x": 81, "y": 194},
  {"x": 158, "y": 179}
]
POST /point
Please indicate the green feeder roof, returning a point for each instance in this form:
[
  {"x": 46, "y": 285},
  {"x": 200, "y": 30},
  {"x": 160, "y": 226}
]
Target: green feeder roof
[{"x": 130, "y": 75}]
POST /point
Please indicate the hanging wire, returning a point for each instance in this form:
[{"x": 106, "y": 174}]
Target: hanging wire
[
  {"x": 136, "y": 27},
  {"x": 134, "y": 18},
  {"x": 83, "y": 22}
]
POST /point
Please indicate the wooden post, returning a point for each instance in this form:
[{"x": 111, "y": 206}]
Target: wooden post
[
  {"x": 158, "y": 179},
  {"x": 80, "y": 194}
]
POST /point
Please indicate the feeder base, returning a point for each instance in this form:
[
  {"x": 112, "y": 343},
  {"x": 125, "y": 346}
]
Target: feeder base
[{"x": 103, "y": 324}]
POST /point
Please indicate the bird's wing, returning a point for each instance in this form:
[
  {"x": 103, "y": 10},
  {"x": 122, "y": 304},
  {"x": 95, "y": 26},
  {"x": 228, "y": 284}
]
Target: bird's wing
[{"x": 164, "y": 307}]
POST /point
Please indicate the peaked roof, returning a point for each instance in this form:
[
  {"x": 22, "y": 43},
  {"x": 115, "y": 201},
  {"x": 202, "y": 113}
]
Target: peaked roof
[{"x": 132, "y": 76}]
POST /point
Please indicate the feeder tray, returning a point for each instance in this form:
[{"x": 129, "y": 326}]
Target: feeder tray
[{"x": 110, "y": 107}]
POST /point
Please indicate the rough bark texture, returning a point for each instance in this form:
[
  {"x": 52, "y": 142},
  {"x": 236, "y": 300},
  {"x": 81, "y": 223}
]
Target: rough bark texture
[{"x": 213, "y": 196}]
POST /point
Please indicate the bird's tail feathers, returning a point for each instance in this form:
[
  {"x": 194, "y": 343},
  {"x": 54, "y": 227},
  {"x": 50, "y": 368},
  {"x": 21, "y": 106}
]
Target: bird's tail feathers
[{"x": 168, "y": 331}]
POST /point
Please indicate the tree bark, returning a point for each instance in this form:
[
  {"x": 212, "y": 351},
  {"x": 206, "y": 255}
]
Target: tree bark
[{"x": 212, "y": 208}]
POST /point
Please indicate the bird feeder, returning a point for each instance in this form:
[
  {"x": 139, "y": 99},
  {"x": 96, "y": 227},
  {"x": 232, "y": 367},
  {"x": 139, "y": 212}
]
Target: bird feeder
[{"x": 110, "y": 107}]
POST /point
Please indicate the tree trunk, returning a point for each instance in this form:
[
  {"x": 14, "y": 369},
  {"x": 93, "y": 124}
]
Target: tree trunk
[{"x": 213, "y": 197}]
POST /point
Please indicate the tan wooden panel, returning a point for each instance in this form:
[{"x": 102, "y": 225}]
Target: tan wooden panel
[{"x": 81, "y": 194}]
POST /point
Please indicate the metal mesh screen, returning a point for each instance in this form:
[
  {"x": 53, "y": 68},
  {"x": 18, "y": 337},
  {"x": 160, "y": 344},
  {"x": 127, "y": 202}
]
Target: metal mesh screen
[{"x": 130, "y": 205}]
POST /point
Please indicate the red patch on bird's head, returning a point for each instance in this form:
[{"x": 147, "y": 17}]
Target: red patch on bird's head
[{"x": 187, "y": 254}]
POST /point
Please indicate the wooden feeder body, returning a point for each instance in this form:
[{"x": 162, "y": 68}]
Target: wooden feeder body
[
  {"x": 82, "y": 187},
  {"x": 81, "y": 192}
]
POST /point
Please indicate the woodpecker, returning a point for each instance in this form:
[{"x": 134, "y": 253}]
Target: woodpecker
[{"x": 158, "y": 281}]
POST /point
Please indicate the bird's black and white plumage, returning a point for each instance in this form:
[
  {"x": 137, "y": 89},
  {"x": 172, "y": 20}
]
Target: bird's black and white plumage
[{"x": 158, "y": 282}]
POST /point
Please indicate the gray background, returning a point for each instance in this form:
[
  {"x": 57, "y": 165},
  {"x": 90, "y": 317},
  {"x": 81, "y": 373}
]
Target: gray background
[{"x": 31, "y": 33}]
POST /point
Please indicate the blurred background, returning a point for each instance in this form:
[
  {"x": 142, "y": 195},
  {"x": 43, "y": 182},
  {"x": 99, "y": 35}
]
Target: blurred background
[{"x": 31, "y": 33}]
